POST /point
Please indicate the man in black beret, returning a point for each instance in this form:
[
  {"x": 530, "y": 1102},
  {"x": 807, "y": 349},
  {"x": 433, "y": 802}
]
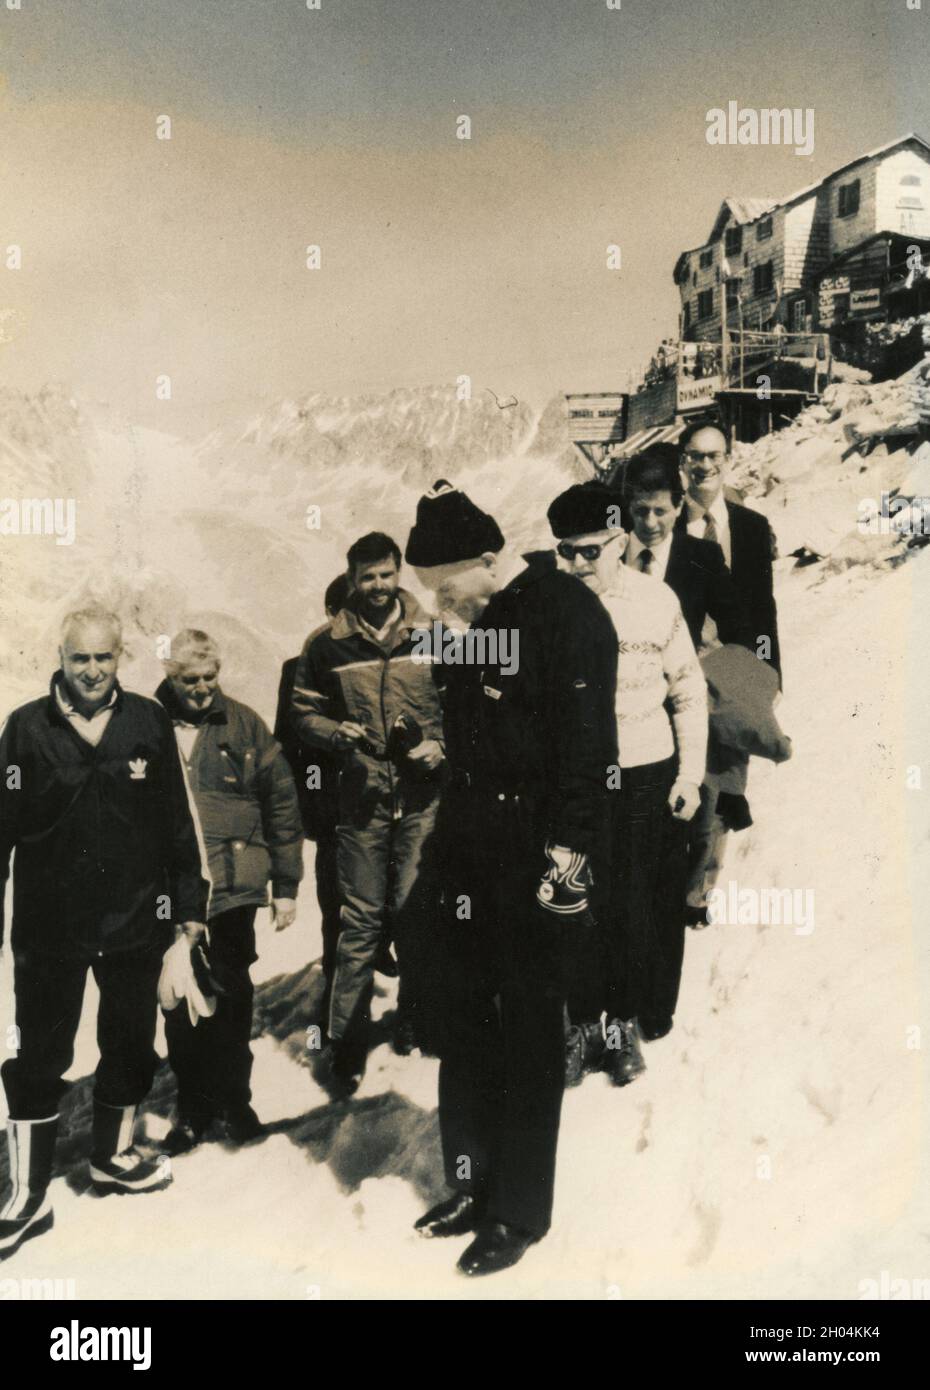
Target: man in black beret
[{"x": 530, "y": 750}]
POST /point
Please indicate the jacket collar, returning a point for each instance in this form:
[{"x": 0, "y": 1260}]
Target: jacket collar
[
  {"x": 216, "y": 714},
  {"x": 56, "y": 684},
  {"x": 346, "y": 622}
]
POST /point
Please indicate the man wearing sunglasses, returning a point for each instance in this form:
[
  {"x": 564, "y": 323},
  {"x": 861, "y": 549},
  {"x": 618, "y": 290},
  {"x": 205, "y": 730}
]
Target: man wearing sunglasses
[{"x": 661, "y": 713}]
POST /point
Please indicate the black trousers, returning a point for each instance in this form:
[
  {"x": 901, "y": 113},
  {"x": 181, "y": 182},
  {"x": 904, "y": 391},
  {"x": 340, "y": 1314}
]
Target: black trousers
[
  {"x": 212, "y": 1061},
  {"x": 639, "y": 942},
  {"x": 329, "y": 899},
  {"x": 49, "y": 993},
  {"x": 502, "y": 1047}
]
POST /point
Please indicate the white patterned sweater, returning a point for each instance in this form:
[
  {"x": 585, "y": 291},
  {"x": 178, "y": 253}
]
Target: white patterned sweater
[{"x": 657, "y": 664}]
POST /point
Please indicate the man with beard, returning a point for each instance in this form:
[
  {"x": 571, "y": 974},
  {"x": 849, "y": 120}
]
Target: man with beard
[
  {"x": 531, "y": 748},
  {"x": 360, "y": 692}
]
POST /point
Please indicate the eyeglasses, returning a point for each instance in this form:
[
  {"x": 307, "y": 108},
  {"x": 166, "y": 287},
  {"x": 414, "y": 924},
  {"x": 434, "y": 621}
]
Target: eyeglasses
[
  {"x": 587, "y": 552},
  {"x": 693, "y": 456}
]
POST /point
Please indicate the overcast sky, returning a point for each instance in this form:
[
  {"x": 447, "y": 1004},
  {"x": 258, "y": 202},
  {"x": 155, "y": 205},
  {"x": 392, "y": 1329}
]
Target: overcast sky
[{"x": 338, "y": 127}]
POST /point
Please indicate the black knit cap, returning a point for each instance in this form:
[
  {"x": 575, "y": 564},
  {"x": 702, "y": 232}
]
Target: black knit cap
[
  {"x": 583, "y": 509},
  {"x": 449, "y": 527}
]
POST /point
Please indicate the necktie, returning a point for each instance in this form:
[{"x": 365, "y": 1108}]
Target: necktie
[
  {"x": 645, "y": 561},
  {"x": 710, "y": 529}
]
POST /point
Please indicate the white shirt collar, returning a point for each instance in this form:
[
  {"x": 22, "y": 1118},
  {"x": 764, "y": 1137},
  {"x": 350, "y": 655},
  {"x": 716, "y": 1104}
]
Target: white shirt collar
[
  {"x": 660, "y": 554},
  {"x": 717, "y": 509},
  {"x": 72, "y": 712}
]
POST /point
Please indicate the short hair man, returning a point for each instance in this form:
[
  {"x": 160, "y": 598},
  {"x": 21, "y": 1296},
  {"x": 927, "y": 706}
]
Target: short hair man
[
  {"x": 661, "y": 712},
  {"x": 530, "y": 753},
  {"x": 748, "y": 546},
  {"x": 694, "y": 568},
  {"x": 316, "y": 775},
  {"x": 360, "y": 692},
  {"x": 93, "y": 802},
  {"x": 247, "y": 805}
]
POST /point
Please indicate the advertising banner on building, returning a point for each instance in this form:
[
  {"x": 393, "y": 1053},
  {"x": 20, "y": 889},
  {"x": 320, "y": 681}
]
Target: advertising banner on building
[{"x": 697, "y": 394}]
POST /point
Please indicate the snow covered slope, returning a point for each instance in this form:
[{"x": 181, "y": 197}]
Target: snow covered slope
[{"x": 777, "y": 1144}]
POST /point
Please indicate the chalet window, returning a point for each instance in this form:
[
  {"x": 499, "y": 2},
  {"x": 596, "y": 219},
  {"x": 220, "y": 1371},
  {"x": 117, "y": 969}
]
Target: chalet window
[
  {"x": 705, "y": 304},
  {"x": 581, "y": 414},
  {"x": 706, "y": 259},
  {"x": 686, "y": 321},
  {"x": 733, "y": 241},
  {"x": 604, "y": 414},
  {"x": 848, "y": 199},
  {"x": 694, "y": 277},
  {"x": 911, "y": 180},
  {"x": 764, "y": 229},
  {"x": 763, "y": 278},
  {"x": 733, "y": 288},
  {"x": 745, "y": 258}
]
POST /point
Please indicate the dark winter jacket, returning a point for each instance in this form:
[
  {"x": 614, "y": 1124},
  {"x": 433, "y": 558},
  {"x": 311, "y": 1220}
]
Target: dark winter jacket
[
  {"x": 548, "y": 732},
  {"x": 343, "y": 674},
  {"x": 106, "y": 850},
  {"x": 752, "y": 551},
  {"x": 246, "y": 802},
  {"x": 319, "y": 802}
]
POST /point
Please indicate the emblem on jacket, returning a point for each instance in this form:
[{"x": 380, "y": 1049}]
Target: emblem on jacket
[{"x": 137, "y": 768}]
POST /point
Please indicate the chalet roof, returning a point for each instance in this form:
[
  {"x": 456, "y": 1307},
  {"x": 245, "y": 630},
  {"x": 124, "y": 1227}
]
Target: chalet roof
[{"x": 744, "y": 210}]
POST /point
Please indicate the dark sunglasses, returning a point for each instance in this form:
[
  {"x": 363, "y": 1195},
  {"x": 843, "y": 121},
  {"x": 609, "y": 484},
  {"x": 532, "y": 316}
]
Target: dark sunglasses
[{"x": 587, "y": 552}]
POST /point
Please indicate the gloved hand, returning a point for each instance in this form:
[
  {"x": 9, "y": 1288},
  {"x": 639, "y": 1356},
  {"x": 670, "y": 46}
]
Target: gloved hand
[
  {"x": 177, "y": 980},
  {"x": 565, "y": 883}
]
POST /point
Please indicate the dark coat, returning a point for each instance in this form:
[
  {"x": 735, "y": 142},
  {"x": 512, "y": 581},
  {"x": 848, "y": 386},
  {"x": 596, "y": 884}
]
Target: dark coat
[
  {"x": 106, "y": 850},
  {"x": 752, "y": 550},
  {"x": 343, "y": 674},
  {"x": 548, "y": 732},
  {"x": 698, "y": 574},
  {"x": 246, "y": 802},
  {"x": 319, "y": 805}
]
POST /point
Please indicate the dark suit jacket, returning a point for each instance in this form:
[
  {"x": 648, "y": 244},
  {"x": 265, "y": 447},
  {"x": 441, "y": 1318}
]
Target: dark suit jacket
[
  {"x": 752, "y": 550},
  {"x": 698, "y": 574}
]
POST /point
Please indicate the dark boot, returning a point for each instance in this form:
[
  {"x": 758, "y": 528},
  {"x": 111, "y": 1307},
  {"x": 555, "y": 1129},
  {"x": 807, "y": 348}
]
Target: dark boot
[
  {"x": 242, "y": 1125},
  {"x": 495, "y": 1247},
  {"x": 584, "y": 1050},
  {"x": 187, "y": 1132},
  {"x": 405, "y": 1036},
  {"x": 27, "y": 1212},
  {"x": 454, "y": 1217},
  {"x": 655, "y": 1027},
  {"x": 115, "y": 1164},
  {"x": 623, "y": 1056}
]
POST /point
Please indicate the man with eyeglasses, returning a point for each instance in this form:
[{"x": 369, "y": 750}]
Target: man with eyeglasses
[
  {"x": 748, "y": 546},
  {"x": 743, "y": 535}
]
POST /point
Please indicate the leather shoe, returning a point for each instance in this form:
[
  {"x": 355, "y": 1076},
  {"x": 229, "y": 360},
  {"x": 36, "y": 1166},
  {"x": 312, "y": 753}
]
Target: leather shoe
[
  {"x": 456, "y": 1216},
  {"x": 624, "y": 1058},
  {"x": 697, "y": 917},
  {"x": 651, "y": 1029},
  {"x": 584, "y": 1047},
  {"x": 495, "y": 1247},
  {"x": 405, "y": 1037}
]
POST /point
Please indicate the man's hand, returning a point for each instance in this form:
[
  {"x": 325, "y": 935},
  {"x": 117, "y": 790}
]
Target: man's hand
[
  {"x": 684, "y": 799},
  {"x": 429, "y": 753},
  {"x": 347, "y": 734},
  {"x": 283, "y": 912},
  {"x": 192, "y": 930}
]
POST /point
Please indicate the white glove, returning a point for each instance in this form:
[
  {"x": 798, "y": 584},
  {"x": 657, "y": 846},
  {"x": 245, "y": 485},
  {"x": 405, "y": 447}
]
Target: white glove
[{"x": 177, "y": 982}]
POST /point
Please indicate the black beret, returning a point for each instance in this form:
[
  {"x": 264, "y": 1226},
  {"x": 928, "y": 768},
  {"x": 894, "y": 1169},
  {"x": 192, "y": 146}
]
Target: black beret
[
  {"x": 583, "y": 509},
  {"x": 449, "y": 527}
]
